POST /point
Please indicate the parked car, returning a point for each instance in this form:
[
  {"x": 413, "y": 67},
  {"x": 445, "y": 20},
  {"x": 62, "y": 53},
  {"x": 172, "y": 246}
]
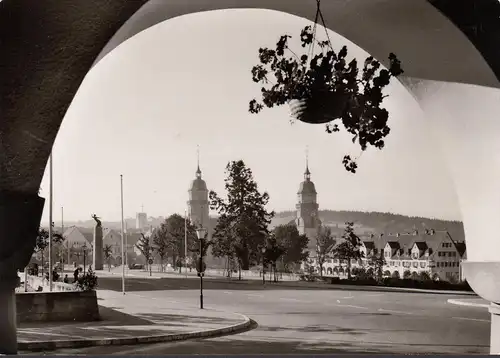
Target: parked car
[{"x": 136, "y": 267}]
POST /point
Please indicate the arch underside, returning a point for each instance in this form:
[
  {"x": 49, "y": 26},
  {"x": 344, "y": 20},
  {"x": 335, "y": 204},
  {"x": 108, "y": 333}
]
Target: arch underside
[{"x": 48, "y": 59}]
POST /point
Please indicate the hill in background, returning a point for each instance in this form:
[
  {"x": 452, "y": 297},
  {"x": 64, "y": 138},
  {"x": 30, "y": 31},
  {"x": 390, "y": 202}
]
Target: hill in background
[{"x": 376, "y": 222}]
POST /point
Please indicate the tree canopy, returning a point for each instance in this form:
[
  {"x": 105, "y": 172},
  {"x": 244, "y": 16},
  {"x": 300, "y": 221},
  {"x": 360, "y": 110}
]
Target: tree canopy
[
  {"x": 243, "y": 222},
  {"x": 324, "y": 243},
  {"x": 42, "y": 239},
  {"x": 294, "y": 244},
  {"x": 350, "y": 248}
]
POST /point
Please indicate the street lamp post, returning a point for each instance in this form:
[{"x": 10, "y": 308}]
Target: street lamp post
[
  {"x": 84, "y": 247},
  {"x": 201, "y": 232},
  {"x": 263, "y": 250}
]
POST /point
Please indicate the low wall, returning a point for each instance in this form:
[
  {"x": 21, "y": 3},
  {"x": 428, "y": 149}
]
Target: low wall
[{"x": 57, "y": 306}]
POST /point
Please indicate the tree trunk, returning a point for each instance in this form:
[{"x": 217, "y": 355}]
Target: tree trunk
[
  {"x": 239, "y": 271},
  {"x": 42, "y": 263},
  {"x": 349, "y": 269}
]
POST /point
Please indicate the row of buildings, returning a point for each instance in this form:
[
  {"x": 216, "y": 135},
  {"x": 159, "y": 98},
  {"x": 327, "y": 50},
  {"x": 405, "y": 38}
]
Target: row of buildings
[{"x": 431, "y": 251}]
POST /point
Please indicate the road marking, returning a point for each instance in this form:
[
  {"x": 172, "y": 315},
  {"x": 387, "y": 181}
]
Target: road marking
[
  {"x": 347, "y": 298},
  {"x": 396, "y": 312},
  {"x": 291, "y": 299},
  {"x": 37, "y": 332},
  {"x": 352, "y": 306},
  {"x": 254, "y": 295},
  {"x": 228, "y": 292},
  {"x": 472, "y": 319}
]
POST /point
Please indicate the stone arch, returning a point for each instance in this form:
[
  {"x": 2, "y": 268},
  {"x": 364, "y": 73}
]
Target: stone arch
[
  {"x": 48, "y": 60},
  {"x": 329, "y": 271}
]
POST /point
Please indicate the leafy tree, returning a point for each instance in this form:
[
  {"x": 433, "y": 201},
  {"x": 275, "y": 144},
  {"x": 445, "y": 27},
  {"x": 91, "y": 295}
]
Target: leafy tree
[
  {"x": 42, "y": 242},
  {"x": 327, "y": 87},
  {"x": 414, "y": 276},
  {"x": 174, "y": 229},
  {"x": 396, "y": 275},
  {"x": 324, "y": 243},
  {"x": 274, "y": 250},
  {"x": 222, "y": 241},
  {"x": 145, "y": 247},
  {"x": 407, "y": 275},
  {"x": 350, "y": 248},
  {"x": 294, "y": 244},
  {"x": 387, "y": 273},
  {"x": 160, "y": 245},
  {"x": 435, "y": 277},
  {"x": 243, "y": 223},
  {"x": 108, "y": 255},
  {"x": 377, "y": 261}
]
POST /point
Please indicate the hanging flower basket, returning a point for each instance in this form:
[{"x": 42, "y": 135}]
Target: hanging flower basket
[
  {"x": 320, "y": 107},
  {"x": 322, "y": 87}
]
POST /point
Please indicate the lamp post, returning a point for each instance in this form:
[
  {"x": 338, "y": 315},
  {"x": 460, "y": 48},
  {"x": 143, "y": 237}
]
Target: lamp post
[
  {"x": 84, "y": 247},
  {"x": 201, "y": 232},
  {"x": 263, "y": 250}
]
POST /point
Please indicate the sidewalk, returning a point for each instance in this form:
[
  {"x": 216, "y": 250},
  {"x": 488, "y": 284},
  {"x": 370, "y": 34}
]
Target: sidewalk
[
  {"x": 470, "y": 302},
  {"x": 131, "y": 319}
]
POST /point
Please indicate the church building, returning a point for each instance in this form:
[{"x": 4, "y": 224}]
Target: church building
[{"x": 307, "y": 220}]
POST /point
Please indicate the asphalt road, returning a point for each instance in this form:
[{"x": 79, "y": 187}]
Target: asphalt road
[{"x": 316, "y": 321}]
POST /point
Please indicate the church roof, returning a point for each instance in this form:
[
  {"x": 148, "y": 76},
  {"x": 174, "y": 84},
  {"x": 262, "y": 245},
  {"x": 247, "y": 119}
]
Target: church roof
[
  {"x": 307, "y": 187},
  {"x": 198, "y": 183}
]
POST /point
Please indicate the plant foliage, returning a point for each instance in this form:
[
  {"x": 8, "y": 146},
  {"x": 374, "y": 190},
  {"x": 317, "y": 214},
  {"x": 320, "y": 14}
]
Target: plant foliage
[
  {"x": 88, "y": 281},
  {"x": 325, "y": 87}
]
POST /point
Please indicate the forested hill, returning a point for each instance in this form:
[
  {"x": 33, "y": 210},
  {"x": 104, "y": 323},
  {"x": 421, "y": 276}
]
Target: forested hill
[{"x": 375, "y": 222}]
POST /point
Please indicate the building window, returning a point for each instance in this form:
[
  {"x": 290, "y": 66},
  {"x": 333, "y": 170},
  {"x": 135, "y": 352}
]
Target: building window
[
  {"x": 415, "y": 264},
  {"x": 422, "y": 265}
]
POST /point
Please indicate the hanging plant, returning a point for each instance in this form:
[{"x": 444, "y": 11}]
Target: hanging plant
[{"x": 321, "y": 87}]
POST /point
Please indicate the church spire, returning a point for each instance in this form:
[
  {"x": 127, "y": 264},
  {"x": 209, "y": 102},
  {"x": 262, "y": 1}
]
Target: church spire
[
  {"x": 198, "y": 170},
  {"x": 307, "y": 173}
]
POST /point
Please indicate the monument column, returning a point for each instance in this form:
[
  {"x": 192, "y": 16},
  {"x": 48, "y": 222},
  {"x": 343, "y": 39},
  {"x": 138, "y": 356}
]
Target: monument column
[
  {"x": 97, "y": 251},
  {"x": 20, "y": 216}
]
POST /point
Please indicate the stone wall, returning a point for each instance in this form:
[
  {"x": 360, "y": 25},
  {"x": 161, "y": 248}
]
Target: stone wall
[{"x": 57, "y": 306}]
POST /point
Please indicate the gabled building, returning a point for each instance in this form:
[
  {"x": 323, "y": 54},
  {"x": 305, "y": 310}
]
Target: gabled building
[{"x": 408, "y": 254}]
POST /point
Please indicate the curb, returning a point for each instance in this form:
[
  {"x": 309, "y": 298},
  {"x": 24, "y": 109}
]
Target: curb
[
  {"x": 36, "y": 346},
  {"x": 468, "y": 304}
]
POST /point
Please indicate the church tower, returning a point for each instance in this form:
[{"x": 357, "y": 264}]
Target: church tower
[
  {"x": 307, "y": 207},
  {"x": 198, "y": 205}
]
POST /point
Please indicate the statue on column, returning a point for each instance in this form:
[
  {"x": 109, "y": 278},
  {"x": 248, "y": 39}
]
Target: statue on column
[{"x": 97, "y": 244}]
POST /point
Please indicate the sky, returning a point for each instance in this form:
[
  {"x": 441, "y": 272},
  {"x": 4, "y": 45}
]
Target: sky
[{"x": 145, "y": 107}]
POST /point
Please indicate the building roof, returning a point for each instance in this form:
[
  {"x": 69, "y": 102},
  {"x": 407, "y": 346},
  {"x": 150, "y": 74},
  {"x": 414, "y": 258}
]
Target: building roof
[
  {"x": 198, "y": 184},
  {"x": 307, "y": 187},
  {"x": 421, "y": 245},
  {"x": 460, "y": 245}
]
